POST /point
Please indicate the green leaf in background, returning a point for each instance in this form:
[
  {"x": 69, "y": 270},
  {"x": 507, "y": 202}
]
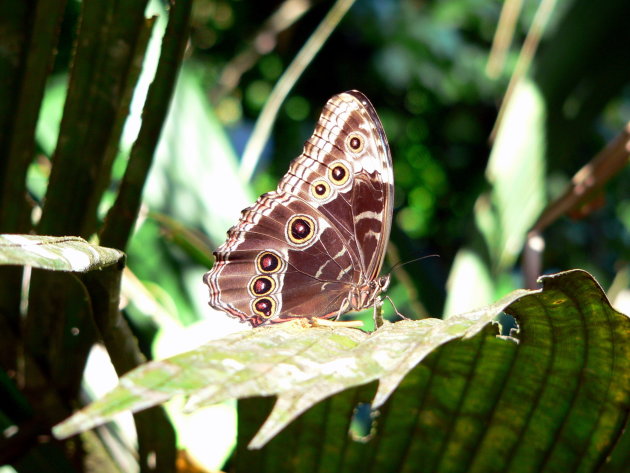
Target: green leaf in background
[
  {"x": 195, "y": 166},
  {"x": 516, "y": 173},
  {"x": 503, "y": 216},
  {"x": 556, "y": 401},
  {"x": 469, "y": 283},
  {"x": 569, "y": 369}
]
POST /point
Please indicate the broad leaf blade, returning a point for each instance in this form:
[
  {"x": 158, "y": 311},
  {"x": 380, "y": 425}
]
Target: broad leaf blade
[
  {"x": 573, "y": 349},
  {"x": 485, "y": 403},
  {"x": 386, "y": 355}
]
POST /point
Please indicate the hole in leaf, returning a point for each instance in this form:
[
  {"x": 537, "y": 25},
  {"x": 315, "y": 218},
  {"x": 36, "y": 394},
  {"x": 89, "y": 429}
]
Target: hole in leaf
[
  {"x": 363, "y": 423},
  {"x": 509, "y": 327}
]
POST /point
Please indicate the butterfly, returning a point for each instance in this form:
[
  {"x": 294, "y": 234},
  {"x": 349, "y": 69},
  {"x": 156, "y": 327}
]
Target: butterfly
[{"x": 314, "y": 247}]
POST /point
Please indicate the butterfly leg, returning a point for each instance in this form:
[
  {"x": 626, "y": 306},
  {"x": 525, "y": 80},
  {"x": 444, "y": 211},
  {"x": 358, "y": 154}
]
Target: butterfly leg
[
  {"x": 399, "y": 314},
  {"x": 345, "y": 305}
]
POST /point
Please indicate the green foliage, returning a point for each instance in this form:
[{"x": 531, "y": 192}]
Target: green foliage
[
  {"x": 105, "y": 138},
  {"x": 561, "y": 386},
  {"x": 481, "y": 404}
]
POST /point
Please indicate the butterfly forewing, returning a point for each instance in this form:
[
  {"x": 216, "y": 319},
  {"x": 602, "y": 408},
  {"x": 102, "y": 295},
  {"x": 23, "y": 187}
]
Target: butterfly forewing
[{"x": 305, "y": 249}]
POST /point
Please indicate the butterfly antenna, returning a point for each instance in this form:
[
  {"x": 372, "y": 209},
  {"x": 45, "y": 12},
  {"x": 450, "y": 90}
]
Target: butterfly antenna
[{"x": 402, "y": 263}]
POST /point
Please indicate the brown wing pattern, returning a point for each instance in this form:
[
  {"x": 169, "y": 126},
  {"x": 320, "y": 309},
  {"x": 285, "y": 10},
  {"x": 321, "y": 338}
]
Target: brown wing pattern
[
  {"x": 361, "y": 209},
  {"x": 301, "y": 250}
]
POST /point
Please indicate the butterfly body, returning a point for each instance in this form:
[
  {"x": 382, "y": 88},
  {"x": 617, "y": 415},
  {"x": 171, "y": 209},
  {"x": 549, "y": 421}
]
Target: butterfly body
[{"x": 314, "y": 247}]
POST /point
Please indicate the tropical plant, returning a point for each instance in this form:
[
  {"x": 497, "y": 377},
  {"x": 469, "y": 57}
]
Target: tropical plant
[{"x": 118, "y": 176}]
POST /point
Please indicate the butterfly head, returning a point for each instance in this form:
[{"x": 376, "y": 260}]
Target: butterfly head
[{"x": 365, "y": 295}]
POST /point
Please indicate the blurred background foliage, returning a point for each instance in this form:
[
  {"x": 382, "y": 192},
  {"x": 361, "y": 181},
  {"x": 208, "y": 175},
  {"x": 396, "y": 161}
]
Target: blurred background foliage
[
  {"x": 425, "y": 66},
  {"x": 469, "y": 185}
]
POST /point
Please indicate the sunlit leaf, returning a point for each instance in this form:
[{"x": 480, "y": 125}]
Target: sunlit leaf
[
  {"x": 469, "y": 284},
  {"x": 196, "y": 165},
  {"x": 56, "y": 253},
  {"x": 555, "y": 401},
  {"x": 303, "y": 366},
  {"x": 516, "y": 172},
  {"x": 194, "y": 168}
]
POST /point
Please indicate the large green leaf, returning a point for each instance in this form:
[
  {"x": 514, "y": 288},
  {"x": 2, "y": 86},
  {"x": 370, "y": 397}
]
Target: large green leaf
[
  {"x": 555, "y": 401},
  {"x": 563, "y": 388}
]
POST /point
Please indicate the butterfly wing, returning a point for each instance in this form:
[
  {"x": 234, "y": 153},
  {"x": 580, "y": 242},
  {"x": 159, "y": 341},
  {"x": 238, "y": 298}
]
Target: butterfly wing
[
  {"x": 299, "y": 251},
  {"x": 281, "y": 261},
  {"x": 346, "y": 170}
]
